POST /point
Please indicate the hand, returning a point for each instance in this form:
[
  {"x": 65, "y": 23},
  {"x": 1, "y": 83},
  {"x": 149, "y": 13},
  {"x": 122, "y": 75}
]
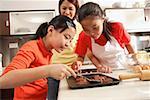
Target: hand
[
  {"x": 76, "y": 65},
  {"x": 60, "y": 71},
  {"x": 104, "y": 69}
]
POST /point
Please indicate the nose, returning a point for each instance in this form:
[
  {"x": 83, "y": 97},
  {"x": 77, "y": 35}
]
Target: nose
[
  {"x": 68, "y": 43},
  {"x": 67, "y": 12},
  {"x": 67, "y": 46}
]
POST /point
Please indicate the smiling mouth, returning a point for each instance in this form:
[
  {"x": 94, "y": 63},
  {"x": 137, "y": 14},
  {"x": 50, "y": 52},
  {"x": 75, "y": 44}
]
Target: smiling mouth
[
  {"x": 96, "y": 36},
  {"x": 61, "y": 49}
]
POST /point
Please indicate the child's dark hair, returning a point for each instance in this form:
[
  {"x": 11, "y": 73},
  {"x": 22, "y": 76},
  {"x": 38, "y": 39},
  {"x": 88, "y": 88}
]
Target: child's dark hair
[
  {"x": 93, "y": 9},
  {"x": 59, "y": 23},
  {"x": 74, "y": 2}
]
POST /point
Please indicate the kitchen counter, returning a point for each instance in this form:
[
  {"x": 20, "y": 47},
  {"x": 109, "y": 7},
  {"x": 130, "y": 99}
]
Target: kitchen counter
[{"x": 132, "y": 89}]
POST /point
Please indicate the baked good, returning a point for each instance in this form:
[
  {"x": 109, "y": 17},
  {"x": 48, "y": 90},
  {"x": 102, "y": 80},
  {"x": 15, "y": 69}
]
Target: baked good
[{"x": 81, "y": 80}]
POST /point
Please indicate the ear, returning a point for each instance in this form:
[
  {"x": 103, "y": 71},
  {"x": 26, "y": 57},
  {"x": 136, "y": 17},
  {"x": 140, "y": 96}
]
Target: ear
[
  {"x": 103, "y": 19},
  {"x": 50, "y": 29}
]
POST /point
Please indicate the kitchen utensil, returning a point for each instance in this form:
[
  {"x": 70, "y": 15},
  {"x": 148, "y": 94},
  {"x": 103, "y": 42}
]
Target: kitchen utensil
[
  {"x": 72, "y": 83},
  {"x": 89, "y": 71},
  {"x": 142, "y": 75}
]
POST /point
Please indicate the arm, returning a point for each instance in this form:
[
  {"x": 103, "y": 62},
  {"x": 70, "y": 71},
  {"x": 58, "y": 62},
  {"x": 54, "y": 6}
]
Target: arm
[
  {"x": 122, "y": 36},
  {"x": 80, "y": 50},
  {"x": 22, "y": 76},
  {"x": 94, "y": 60},
  {"x": 80, "y": 60},
  {"x": 129, "y": 48}
]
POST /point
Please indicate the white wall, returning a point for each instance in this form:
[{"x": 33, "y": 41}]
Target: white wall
[
  {"x": 7, "y": 5},
  {"x": 0, "y": 5},
  {"x": 53, "y": 4},
  {"x": 109, "y": 3}
]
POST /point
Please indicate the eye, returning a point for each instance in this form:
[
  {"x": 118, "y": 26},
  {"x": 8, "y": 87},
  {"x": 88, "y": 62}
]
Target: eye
[
  {"x": 67, "y": 36},
  {"x": 71, "y": 8},
  {"x": 95, "y": 28},
  {"x": 64, "y": 8}
]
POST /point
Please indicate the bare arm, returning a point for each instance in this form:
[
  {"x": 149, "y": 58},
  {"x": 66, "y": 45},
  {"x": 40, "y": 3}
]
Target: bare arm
[
  {"x": 94, "y": 60},
  {"x": 129, "y": 48},
  {"x": 22, "y": 76}
]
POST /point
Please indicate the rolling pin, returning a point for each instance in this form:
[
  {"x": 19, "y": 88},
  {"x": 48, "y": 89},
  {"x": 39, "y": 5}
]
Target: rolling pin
[{"x": 142, "y": 75}]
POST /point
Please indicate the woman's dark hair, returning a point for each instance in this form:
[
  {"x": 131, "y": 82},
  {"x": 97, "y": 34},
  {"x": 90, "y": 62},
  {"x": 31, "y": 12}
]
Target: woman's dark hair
[
  {"x": 74, "y": 2},
  {"x": 93, "y": 9},
  {"x": 59, "y": 22}
]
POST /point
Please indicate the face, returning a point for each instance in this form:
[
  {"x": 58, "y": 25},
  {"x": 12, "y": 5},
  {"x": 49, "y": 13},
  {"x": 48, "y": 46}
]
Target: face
[
  {"x": 60, "y": 41},
  {"x": 93, "y": 26},
  {"x": 67, "y": 9}
]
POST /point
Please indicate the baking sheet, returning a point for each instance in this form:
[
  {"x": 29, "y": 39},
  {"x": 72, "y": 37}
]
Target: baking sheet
[{"x": 72, "y": 83}]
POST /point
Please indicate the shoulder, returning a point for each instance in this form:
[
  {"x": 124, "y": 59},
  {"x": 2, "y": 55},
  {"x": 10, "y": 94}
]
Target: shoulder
[
  {"x": 119, "y": 32},
  {"x": 84, "y": 37},
  {"x": 79, "y": 28},
  {"x": 116, "y": 25},
  {"x": 77, "y": 24},
  {"x": 29, "y": 46},
  {"x": 117, "y": 28}
]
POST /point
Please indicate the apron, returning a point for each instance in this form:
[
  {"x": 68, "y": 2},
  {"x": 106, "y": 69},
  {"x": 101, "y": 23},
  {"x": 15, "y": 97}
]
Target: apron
[{"x": 111, "y": 54}]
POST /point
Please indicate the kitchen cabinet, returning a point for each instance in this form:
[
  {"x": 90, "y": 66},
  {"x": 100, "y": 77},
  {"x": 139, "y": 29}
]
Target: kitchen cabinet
[
  {"x": 4, "y": 23},
  {"x": 23, "y": 22},
  {"x": 136, "y": 21},
  {"x": 147, "y": 14},
  {"x": 131, "y": 18}
]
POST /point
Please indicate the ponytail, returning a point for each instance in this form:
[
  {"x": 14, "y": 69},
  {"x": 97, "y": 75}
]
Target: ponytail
[{"x": 42, "y": 30}]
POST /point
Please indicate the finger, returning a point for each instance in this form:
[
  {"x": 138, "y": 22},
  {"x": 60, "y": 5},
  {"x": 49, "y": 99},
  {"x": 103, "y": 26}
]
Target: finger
[
  {"x": 71, "y": 71},
  {"x": 103, "y": 69},
  {"x": 62, "y": 76},
  {"x": 79, "y": 64},
  {"x": 75, "y": 67},
  {"x": 110, "y": 70},
  {"x": 107, "y": 69},
  {"x": 99, "y": 69},
  {"x": 66, "y": 72}
]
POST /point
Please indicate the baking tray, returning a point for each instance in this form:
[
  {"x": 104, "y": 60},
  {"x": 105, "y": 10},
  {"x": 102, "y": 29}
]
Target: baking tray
[
  {"x": 85, "y": 71},
  {"x": 73, "y": 84}
]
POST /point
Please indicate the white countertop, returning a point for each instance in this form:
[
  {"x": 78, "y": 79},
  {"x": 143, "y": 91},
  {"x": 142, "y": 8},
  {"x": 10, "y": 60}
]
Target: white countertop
[{"x": 132, "y": 89}]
